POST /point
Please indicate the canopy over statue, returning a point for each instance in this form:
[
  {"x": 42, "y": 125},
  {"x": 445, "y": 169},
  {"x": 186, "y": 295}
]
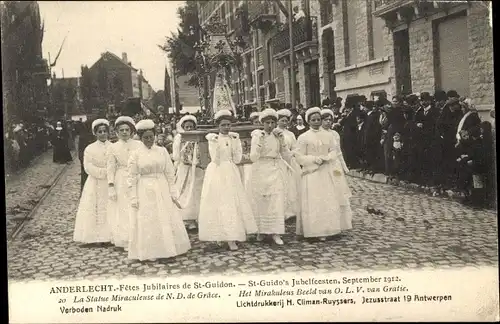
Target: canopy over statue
[{"x": 215, "y": 58}]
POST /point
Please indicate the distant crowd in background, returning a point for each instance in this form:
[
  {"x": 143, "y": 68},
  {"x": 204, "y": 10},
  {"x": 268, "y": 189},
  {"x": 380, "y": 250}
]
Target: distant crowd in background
[
  {"x": 436, "y": 141},
  {"x": 24, "y": 141}
]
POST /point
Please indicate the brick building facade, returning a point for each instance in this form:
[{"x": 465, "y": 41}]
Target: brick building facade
[
  {"x": 355, "y": 49},
  {"x": 264, "y": 77},
  {"x": 406, "y": 46}
]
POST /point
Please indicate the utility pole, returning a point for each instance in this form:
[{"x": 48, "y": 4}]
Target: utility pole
[
  {"x": 292, "y": 54},
  {"x": 64, "y": 98}
]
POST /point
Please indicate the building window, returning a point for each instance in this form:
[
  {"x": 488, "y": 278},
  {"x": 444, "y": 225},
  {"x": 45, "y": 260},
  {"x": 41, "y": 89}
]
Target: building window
[
  {"x": 351, "y": 13},
  {"x": 249, "y": 69},
  {"x": 326, "y": 12},
  {"x": 377, "y": 25}
]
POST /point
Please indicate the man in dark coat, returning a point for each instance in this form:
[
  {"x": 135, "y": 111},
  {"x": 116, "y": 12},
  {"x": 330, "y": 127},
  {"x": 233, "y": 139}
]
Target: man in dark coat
[
  {"x": 348, "y": 137},
  {"x": 410, "y": 135},
  {"x": 372, "y": 134},
  {"x": 425, "y": 119},
  {"x": 85, "y": 138},
  {"x": 446, "y": 127},
  {"x": 396, "y": 122},
  {"x": 360, "y": 145}
]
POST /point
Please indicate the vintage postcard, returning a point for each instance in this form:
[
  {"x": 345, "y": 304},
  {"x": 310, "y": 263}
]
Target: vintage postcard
[{"x": 248, "y": 160}]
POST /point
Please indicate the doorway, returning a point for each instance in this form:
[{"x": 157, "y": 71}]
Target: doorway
[
  {"x": 312, "y": 73},
  {"x": 402, "y": 62},
  {"x": 329, "y": 53}
]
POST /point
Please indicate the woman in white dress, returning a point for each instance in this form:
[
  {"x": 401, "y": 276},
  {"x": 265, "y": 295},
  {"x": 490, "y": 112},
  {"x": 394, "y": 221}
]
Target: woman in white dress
[
  {"x": 269, "y": 176},
  {"x": 156, "y": 230},
  {"x": 293, "y": 171},
  {"x": 188, "y": 177},
  {"x": 91, "y": 224},
  {"x": 117, "y": 172},
  {"x": 326, "y": 124},
  {"x": 225, "y": 212},
  {"x": 246, "y": 169},
  {"x": 325, "y": 194}
]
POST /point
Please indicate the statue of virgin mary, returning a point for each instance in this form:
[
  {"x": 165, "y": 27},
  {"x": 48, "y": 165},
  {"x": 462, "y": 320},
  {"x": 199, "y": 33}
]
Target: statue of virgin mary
[{"x": 222, "y": 96}]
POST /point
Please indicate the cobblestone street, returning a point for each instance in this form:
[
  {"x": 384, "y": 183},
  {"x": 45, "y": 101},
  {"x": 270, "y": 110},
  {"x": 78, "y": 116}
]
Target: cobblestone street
[
  {"x": 416, "y": 231},
  {"x": 23, "y": 191}
]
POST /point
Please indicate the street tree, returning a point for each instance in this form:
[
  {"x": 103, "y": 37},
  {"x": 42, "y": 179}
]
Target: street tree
[
  {"x": 87, "y": 87},
  {"x": 180, "y": 46}
]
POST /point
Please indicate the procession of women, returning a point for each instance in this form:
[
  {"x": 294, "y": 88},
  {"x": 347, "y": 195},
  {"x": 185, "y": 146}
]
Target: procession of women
[{"x": 140, "y": 198}]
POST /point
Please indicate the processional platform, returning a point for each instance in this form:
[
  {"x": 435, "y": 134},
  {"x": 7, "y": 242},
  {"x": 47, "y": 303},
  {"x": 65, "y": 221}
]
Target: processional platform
[{"x": 189, "y": 138}]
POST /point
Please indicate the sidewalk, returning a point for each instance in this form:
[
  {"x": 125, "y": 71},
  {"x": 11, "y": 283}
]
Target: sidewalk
[
  {"x": 382, "y": 178},
  {"x": 24, "y": 190}
]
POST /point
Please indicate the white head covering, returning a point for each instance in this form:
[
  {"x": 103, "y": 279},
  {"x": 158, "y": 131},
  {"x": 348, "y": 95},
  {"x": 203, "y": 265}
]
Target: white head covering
[
  {"x": 125, "y": 119},
  {"x": 284, "y": 113},
  {"x": 145, "y": 124},
  {"x": 97, "y": 122},
  {"x": 222, "y": 113},
  {"x": 268, "y": 113},
  {"x": 58, "y": 125},
  {"x": 255, "y": 114},
  {"x": 188, "y": 118},
  {"x": 326, "y": 112},
  {"x": 313, "y": 110}
]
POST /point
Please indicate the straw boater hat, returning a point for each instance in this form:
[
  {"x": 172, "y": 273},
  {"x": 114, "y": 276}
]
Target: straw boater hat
[
  {"x": 99, "y": 122},
  {"x": 311, "y": 111},
  {"x": 325, "y": 112},
  {"x": 284, "y": 113},
  {"x": 266, "y": 113},
  {"x": 125, "y": 119},
  {"x": 145, "y": 124},
  {"x": 223, "y": 114}
]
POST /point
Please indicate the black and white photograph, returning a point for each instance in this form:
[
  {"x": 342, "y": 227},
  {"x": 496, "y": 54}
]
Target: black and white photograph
[{"x": 163, "y": 139}]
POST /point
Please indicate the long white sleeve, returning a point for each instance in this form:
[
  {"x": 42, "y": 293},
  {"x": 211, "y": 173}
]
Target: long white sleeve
[
  {"x": 110, "y": 165},
  {"x": 176, "y": 148},
  {"x": 133, "y": 176},
  {"x": 95, "y": 171}
]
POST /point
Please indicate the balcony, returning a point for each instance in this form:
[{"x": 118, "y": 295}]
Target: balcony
[
  {"x": 403, "y": 11},
  {"x": 305, "y": 35},
  {"x": 262, "y": 14}
]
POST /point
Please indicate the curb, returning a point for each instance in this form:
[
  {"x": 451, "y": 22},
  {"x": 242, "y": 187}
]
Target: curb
[
  {"x": 382, "y": 178},
  {"x": 52, "y": 182}
]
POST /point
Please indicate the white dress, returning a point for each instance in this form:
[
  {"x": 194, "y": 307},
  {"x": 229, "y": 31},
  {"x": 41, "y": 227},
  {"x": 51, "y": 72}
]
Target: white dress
[
  {"x": 225, "y": 212},
  {"x": 267, "y": 188},
  {"x": 188, "y": 186},
  {"x": 156, "y": 229},
  {"x": 294, "y": 172},
  {"x": 117, "y": 171},
  {"x": 325, "y": 193},
  {"x": 91, "y": 224}
]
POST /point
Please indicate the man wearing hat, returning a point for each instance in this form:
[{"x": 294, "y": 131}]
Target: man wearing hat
[
  {"x": 440, "y": 98},
  {"x": 372, "y": 133},
  {"x": 425, "y": 119},
  {"x": 447, "y": 126}
]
